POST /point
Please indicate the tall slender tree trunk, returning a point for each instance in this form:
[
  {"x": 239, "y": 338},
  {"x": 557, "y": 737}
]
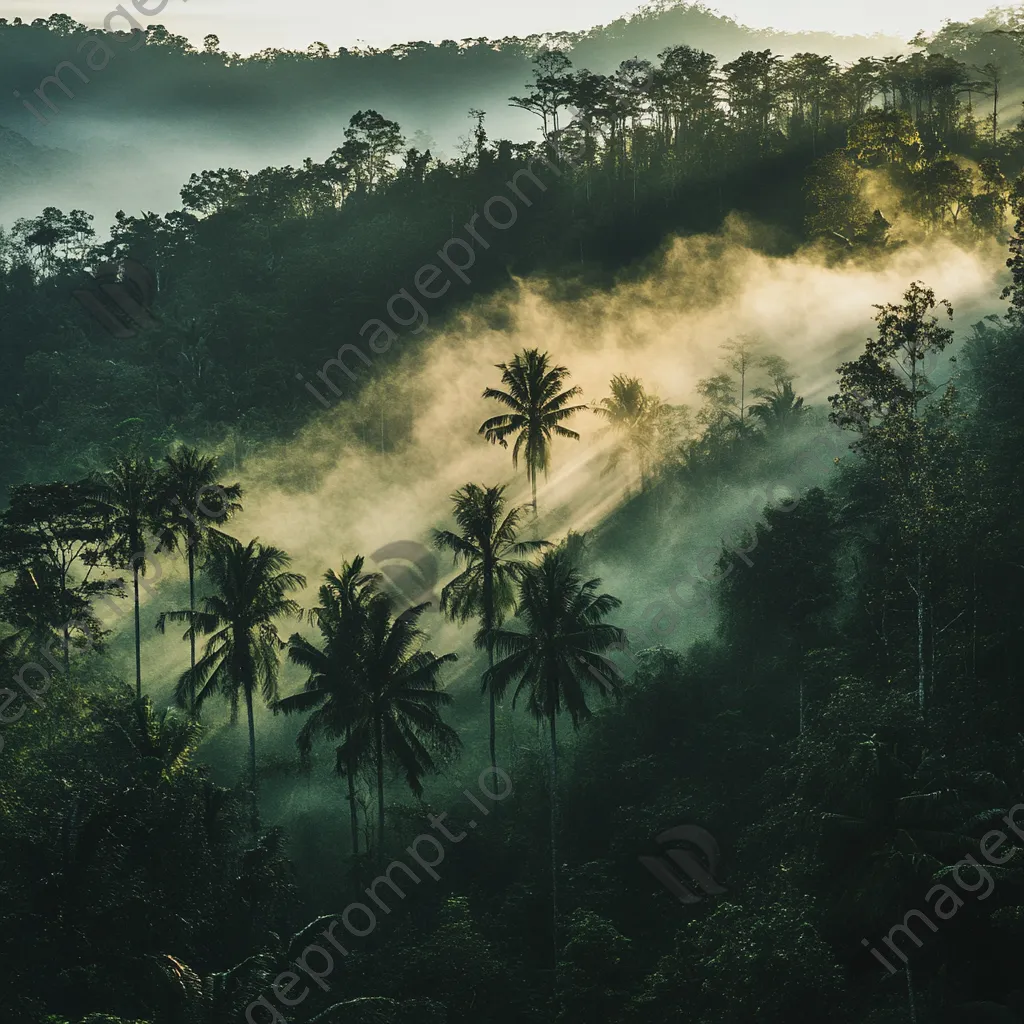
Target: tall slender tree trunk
[
  {"x": 380, "y": 790},
  {"x": 489, "y": 626},
  {"x": 743, "y": 388},
  {"x": 192, "y": 600},
  {"x": 252, "y": 758},
  {"x": 974, "y": 626},
  {"x": 138, "y": 635},
  {"x": 932, "y": 645},
  {"x": 920, "y": 630},
  {"x": 352, "y": 816},
  {"x": 494, "y": 756},
  {"x": 554, "y": 851},
  {"x": 920, "y": 553}
]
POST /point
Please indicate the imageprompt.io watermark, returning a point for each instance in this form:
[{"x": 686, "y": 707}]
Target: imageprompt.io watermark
[
  {"x": 263, "y": 1010},
  {"x": 946, "y": 901},
  {"x": 678, "y": 864}
]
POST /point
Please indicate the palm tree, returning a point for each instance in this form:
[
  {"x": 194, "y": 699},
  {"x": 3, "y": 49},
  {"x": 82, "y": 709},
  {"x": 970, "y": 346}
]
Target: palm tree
[
  {"x": 779, "y": 410},
  {"x": 167, "y": 737},
  {"x": 399, "y": 720},
  {"x": 336, "y": 683},
  {"x": 127, "y": 494},
  {"x": 539, "y": 407},
  {"x": 190, "y": 504},
  {"x": 557, "y": 656},
  {"x": 486, "y": 543},
  {"x": 251, "y": 585},
  {"x": 637, "y": 417}
]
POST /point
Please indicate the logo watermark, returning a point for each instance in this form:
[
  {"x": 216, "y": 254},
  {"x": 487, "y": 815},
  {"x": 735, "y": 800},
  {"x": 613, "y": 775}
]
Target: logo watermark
[
  {"x": 412, "y": 572},
  {"x": 678, "y": 864}
]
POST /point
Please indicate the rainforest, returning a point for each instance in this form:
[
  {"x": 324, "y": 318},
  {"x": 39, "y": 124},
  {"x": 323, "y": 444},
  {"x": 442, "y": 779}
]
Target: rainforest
[{"x": 533, "y": 532}]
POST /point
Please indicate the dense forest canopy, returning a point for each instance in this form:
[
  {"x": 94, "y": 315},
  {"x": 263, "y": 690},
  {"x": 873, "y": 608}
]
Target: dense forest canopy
[
  {"x": 279, "y": 106},
  {"x": 401, "y": 551}
]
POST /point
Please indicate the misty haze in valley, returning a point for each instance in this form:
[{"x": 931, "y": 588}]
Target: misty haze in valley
[
  {"x": 524, "y": 530},
  {"x": 131, "y": 136}
]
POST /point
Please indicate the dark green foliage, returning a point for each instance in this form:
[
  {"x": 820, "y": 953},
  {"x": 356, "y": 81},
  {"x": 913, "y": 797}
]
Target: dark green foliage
[
  {"x": 848, "y": 725},
  {"x": 52, "y": 538},
  {"x": 118, "y": 850},
  {"x": 278, "y": 268}
]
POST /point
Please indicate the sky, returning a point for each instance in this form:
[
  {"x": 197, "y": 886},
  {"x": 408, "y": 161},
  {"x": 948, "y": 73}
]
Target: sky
[{"x": 248, "y": 25}]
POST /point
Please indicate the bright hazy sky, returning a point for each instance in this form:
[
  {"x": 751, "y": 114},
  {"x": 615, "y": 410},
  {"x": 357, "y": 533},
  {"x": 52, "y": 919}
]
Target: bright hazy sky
[{"x": 247, "y": 25}]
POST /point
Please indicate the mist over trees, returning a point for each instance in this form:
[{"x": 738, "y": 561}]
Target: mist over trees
[
  {"x": 277, "y": 106},
  {"x": 671, "y": 145},
  {"x": 846, "y": 722},
  {"x": 177, "y": 75}
]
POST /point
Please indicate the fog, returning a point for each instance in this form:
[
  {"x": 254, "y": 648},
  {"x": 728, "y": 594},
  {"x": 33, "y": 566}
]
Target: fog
[
  {"x": 140, "y": 165},
  {"x": 331, "y": 494},
  {"x": 328, "y": 496},
  {"x": 667, "y": 329},
  {"x": 135, "y": 127}
]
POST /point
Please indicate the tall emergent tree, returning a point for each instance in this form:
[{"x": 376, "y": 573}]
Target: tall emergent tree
[
  {"x": 128, "y": 491},
  {"x": 371, "y": 144},
  {"x": 337, "y": 687},
  {"x": 251, "y": 584},
  {"x": 488, "y": 546},
  {"x": 398, "y": 719},
  {"x": 538, "y": 407},
  {"x": 881, "y": 394},
  {"x": 552, "y": 89},
  {"x": 556, "y": 657},
  {"x": 742, "y": 358},
  {"x": 190, "y": 504}
]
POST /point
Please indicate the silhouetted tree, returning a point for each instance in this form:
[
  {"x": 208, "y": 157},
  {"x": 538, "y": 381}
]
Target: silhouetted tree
[
  {"x": 190, "y": 503},
  {"x": 128, "y": 491},
  {"x": 539, "y": 408},
  {"x": 337, "y": 686},
  {"x": 556, "y": 658},
  {"x": 251, "y": 584},
  {"x": 487, "y": 544}
]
